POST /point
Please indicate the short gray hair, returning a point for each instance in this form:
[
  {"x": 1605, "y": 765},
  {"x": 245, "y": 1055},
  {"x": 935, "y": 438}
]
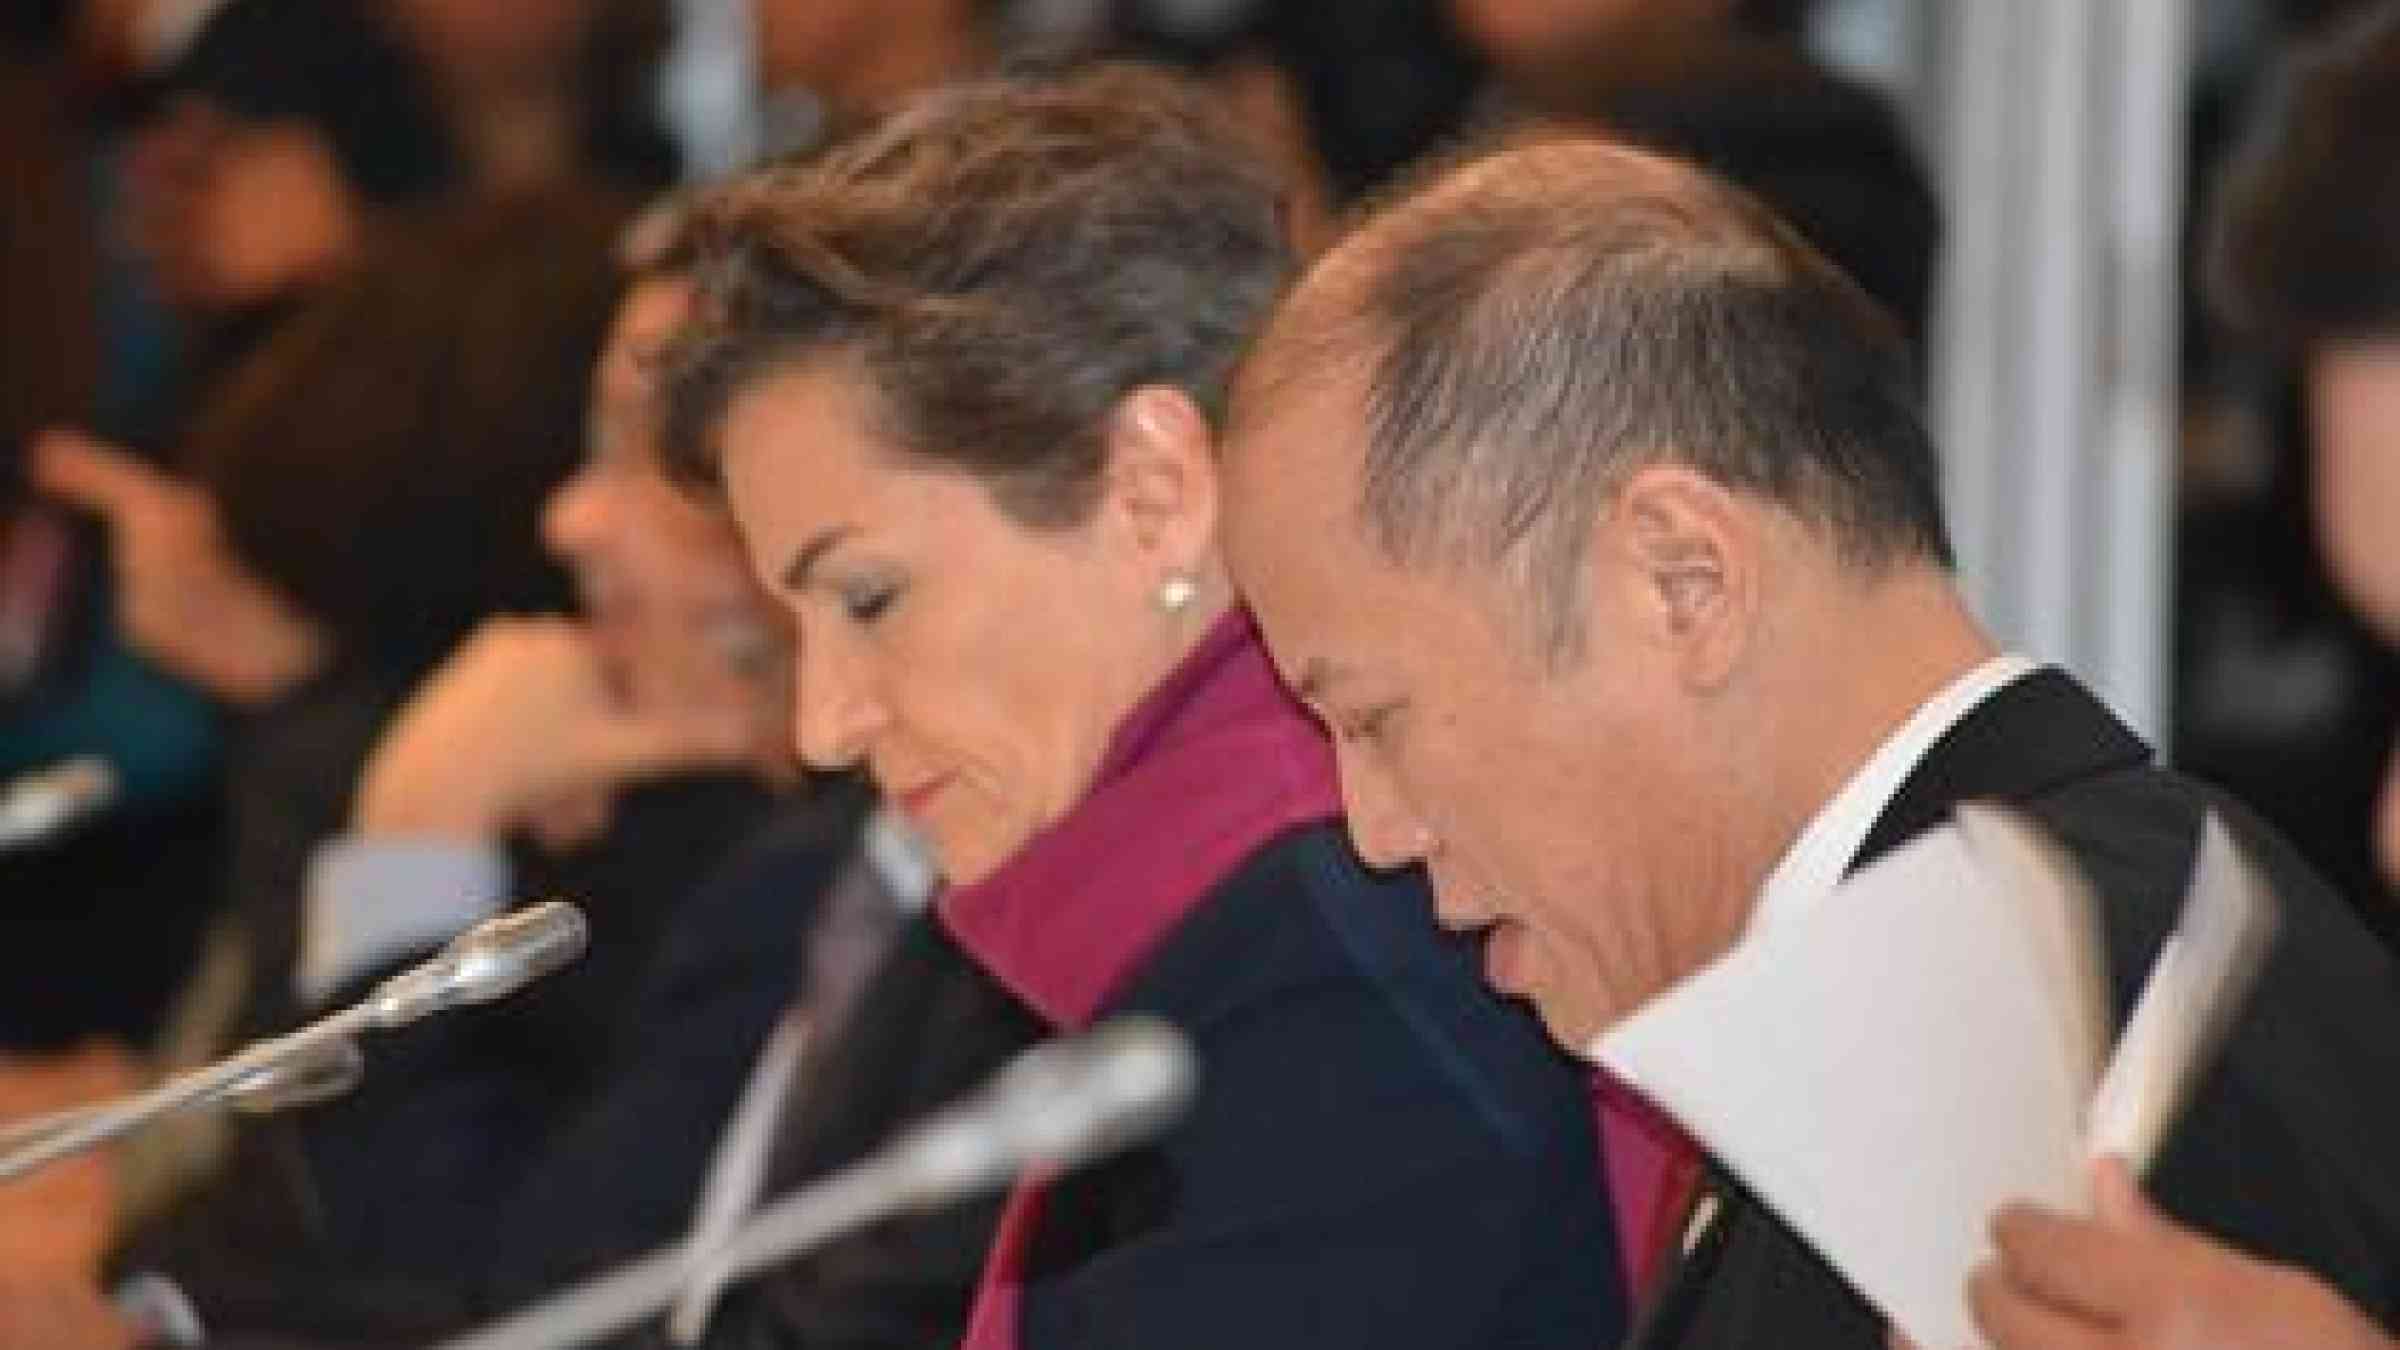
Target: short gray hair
[{"x": 1534, "y": 323}]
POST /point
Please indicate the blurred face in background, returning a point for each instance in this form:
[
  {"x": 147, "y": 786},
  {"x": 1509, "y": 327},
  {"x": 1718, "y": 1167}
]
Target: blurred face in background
[
  {"x": 481, "y": 40},
  {"x": 805, "y": 41},
  {"x": 977, "y": 666},
  {"x": 2353, "y": 392},
  {"x": 665, "y": 591},
  {"x": 860, "y": 52},
  {"x": 1534, "y": 32}
]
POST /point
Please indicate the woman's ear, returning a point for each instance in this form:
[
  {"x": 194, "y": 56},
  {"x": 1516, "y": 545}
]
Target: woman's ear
[{"x": 1159, "y": 478}]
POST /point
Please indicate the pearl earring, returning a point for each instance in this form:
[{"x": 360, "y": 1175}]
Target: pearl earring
[{"x": 1176, "y": 593}]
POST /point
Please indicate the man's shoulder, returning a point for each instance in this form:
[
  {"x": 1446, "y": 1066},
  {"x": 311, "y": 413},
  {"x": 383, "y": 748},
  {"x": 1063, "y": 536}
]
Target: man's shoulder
[
  {"x": 2285, "y": 1145},
  {"x": 2135, "y": 834}
]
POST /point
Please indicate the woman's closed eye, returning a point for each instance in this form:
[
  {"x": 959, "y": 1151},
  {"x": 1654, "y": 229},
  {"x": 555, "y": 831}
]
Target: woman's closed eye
[
  {"x": 867, "y": 601},
  {"x": 1370, "y": 724}
]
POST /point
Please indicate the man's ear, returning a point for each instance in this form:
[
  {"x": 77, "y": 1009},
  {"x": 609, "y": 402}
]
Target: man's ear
[
  {"x": 1159, "y": 477},
  {"x": 1690, "y": 551}
]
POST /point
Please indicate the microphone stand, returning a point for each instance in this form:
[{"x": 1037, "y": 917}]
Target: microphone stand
[
  {"x": 798, "y": 1223},
  {"x": 487, "y": 962},
  {"x": 297, "y": 1082},
  {"x": 262, "y": 1066},
  {"x": 1055, "y": 1107}
]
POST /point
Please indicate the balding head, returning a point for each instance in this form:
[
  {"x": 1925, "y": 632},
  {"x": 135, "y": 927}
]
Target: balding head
[
  {"x": 1562, "y": 491},
  {"x": 1528, "y": 326}
]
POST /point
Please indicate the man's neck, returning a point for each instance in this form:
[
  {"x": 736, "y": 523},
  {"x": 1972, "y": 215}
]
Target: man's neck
[{"x": 1915, "y": 639}]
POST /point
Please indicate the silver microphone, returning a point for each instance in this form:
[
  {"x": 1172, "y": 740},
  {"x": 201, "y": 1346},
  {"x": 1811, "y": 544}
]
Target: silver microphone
[
  {"x": 39, "y": 806},
  {"x": 1055, "y": 1106},
  {"x": 319, "y": 1075},
  {"x": 486, "y": 962},
  {"x": 489, "y": 961}
]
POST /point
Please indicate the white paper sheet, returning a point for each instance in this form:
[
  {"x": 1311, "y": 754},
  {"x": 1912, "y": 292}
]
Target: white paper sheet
[{"x": 1890, "y": 1069}]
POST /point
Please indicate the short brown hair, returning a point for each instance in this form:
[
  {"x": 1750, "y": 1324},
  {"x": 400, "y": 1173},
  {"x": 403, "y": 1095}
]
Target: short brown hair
[
  {"x": 1535, "y": 321},
  {"x": 1007, "y": 258},
  {"x": 2304, "y": 244}
]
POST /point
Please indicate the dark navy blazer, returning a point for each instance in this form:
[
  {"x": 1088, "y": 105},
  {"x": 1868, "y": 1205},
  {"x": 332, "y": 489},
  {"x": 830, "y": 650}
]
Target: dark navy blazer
[{"x": 1382, "y": 1155}]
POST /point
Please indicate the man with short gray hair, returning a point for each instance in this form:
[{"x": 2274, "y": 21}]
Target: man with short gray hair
[{"x": 1595, "y": 515}]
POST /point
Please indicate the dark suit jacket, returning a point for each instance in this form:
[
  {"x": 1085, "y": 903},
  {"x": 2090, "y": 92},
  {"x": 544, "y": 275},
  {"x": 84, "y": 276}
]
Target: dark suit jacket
[
  {"x": 929, "y": 1025},
  {"x": 2290, "y": 1147},
  {"x": 1380, "y": 1155}
]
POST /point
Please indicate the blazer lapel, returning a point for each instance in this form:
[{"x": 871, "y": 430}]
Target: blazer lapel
[
  {"x": 2034, "y": 735},
  {"x": 1741, "y": 1277}
]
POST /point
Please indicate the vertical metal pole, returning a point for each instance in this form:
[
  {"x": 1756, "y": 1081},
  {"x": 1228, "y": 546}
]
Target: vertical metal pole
[{"x": 2055, "y": 365}]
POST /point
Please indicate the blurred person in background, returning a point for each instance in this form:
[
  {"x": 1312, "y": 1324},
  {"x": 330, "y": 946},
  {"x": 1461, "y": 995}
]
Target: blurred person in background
[
  {"x": 1542, "y": 51},
  {"x": 2303, "y": 261},
  {"x": 889, "y": 1019},
  {"x": 463, "y": 1177},
  {"x": 128, "y": 889},
  {"x": 1826, "y": 152},
  {"x": 958, "y": 377},
  {"x": 1345, "y": 96},
  {"x": 290, "y": 131},
  {"x": 364, "y": 493},
  {"x": 858, "y": 56},
  {"x": 290, "y": 128},
  {"x": 285, "y": 566},
  {"x": 2304, "y": 257},
  {"x": 1383, "y": 82}
]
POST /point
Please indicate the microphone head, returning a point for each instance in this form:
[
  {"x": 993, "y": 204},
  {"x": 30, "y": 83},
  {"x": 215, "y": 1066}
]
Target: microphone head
[
  {"x": 490, "y": 961},
  {"x": 1057, "y": 1106},
  {"x": 500, "y": 956}
]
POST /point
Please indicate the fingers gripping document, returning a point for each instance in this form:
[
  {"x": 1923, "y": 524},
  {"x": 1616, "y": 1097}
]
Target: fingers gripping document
[{"x": 1927, "y": 1044}]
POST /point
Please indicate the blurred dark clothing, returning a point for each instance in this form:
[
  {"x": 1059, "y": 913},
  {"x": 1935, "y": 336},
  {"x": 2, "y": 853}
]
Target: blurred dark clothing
[
  {"x": 491, "y": 1152},
  {"x": 931, "y": 1025},
  {"x": 49, "y": 338},
  {"x": 928, "y": 1026},
  {"x": 2283, "y": 696},
  {"x": 291, "y": 771}
]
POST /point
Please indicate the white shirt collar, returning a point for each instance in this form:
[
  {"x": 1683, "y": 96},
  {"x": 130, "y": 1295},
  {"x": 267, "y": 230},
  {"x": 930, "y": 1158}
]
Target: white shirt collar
[{"x": 1822, "y": 852}]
